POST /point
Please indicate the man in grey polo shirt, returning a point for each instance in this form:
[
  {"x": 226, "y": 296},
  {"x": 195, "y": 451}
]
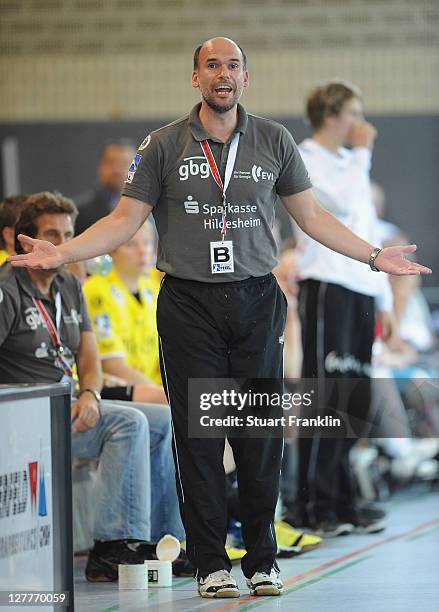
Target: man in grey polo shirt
[
  {"x": 211, "y": 180},
  {"x": 45, "y": 331}
]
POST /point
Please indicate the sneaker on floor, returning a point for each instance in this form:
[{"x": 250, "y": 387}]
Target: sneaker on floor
[
  {"x": 292, "y": 542},
  {"x": 372, "y": 511},
  {"x": 332, "y": 529},
  {"x": 363, "y": 524},
  {"x": 105, "y": 557},
  {"x": 265, "y": 584},
  {"x": 220, "y": 584}
]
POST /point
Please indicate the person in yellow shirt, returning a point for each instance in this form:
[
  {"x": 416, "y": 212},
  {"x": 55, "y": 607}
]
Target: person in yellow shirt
[
  {"x": 122, "y": 308},
  {"x": 10, "y": 210}
]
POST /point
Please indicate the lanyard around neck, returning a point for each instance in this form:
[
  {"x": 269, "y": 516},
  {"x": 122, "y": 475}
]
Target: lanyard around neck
[
  {"x": 231, "y": 158},
  {"x": 54, "y": 330}
]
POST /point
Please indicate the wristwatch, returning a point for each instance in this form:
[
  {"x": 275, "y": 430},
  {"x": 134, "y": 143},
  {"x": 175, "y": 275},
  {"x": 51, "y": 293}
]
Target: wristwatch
[
  {"x": 95, "y": 394},
  {"x": 372, "y": 258}
]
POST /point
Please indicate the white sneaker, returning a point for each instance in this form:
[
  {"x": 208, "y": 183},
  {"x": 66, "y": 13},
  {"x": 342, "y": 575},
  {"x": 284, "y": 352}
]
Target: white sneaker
[
  {"x": 218, "y": 584},
  {"x": 262, "y": 583}
]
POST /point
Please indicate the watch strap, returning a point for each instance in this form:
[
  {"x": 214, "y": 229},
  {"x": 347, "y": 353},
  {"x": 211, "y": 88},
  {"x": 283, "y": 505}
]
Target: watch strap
[
  {"x": 95, "y": 394},
  {"x": 373, "y": 257}
]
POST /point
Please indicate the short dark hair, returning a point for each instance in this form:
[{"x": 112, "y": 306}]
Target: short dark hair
[
  {"x": 329, "y": 99},
  {"x": 197, "y": 56},
  {"x": 117, "y": 142},
  {"x": 39, "y": 204},
  {"x": 10, "y": 210}
]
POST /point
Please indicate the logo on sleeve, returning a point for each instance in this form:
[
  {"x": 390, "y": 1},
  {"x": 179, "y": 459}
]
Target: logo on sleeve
[
  {"x": 75, "y": 317},
  {"x": 102, "y": 325},
  {"x": 145, "y": 143},
  {"x": 133, "y": 168}
]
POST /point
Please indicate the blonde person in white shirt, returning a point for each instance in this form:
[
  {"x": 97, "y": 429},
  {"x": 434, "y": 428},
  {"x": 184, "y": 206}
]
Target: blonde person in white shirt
[{"x": 337, "y": 302}]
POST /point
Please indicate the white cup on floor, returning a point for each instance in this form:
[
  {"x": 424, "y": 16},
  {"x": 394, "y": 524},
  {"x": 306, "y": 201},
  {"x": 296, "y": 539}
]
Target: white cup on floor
[
  {"x": 133, "y": 577},
  {"x": 160, "y": 571}
]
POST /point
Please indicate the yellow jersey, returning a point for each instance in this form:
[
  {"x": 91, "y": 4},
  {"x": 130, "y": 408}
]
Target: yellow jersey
[
  {"x": 124, "y": 325},
  {"x": 3, "y": 256}
]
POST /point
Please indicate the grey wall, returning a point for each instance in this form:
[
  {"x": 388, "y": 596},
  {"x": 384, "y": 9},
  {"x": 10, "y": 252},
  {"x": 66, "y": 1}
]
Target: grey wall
[{"x": 63, "y": 156}]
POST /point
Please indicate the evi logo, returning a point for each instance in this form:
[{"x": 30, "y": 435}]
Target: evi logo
[{"x": 260, "y": 175}]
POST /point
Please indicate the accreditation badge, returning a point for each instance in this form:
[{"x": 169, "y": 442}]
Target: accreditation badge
[{"x": 221, "y": 257}]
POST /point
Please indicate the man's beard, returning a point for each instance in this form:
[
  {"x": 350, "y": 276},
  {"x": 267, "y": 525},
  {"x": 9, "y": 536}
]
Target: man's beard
[{"x": 219, "y": 108}]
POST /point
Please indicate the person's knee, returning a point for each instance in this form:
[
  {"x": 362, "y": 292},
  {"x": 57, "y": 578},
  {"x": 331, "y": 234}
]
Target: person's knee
[
  {"x": 137, "y": 421},
  {"x": 124, "y": 418},
  {"x": 158, "y": 418}
]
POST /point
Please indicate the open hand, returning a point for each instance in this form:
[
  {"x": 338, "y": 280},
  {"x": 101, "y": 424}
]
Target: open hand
[
  {"x": 392, "y": 260},
  {"x": 42, "y": 256}
]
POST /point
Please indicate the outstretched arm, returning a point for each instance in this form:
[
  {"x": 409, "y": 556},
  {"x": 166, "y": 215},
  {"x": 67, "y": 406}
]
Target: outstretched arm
[
  {"x": 326, "y": 229},
  {"x": 104, "y": 236}
]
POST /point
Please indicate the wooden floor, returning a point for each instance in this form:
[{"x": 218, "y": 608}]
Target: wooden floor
[{"x": 394, "y": 571}]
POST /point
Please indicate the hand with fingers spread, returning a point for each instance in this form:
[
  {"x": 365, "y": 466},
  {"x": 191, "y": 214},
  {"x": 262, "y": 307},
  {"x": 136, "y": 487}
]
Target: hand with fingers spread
[
  {"x": 43, "y": 255},
  {"x": 392, "y": 260}
]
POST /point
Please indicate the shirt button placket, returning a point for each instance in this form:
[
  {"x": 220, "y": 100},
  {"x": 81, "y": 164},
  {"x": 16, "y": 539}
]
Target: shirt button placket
[{"x": 224, "y": 155}]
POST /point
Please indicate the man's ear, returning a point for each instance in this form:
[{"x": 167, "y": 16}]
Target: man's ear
[
  {"x": 195, "y": 79},
  {"x": 329, "y": 118}
]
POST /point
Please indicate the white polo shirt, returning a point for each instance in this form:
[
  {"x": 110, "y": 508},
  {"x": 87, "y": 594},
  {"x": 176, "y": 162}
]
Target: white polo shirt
[{"x": 341, "y": 183}]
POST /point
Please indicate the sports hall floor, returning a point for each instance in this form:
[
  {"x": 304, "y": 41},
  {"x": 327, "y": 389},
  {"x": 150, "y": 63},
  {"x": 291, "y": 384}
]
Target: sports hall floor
[{"x": 394, "y": 571}]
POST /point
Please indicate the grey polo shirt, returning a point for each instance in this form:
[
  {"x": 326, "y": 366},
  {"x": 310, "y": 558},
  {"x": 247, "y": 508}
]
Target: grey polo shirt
[
  {"x": 26, "y": 347},
  {"x": 170, "y": 172}
]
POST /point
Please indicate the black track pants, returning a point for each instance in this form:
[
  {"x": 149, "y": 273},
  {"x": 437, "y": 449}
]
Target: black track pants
[
  {"x": 337, "y": 336},
  {"x": 222, "y": 330}
]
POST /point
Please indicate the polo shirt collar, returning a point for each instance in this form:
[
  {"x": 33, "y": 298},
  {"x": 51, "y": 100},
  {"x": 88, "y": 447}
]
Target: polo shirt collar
[
  {"x": 198, "y": 131},
  {"x": 26, "y": 283}
]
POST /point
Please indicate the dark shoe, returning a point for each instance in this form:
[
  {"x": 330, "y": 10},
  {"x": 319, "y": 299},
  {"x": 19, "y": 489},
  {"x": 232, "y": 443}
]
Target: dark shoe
[
  {"x": 363, "y": 524},
  {"x": 298, "y": 519},
  {"x": 104, "y": 558},
  {"x": 372, "y": 512},
  {"x": 146, "y": 550},
  {"x": 180, "y": 567},
  {"x": 332, "y": 529}
]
